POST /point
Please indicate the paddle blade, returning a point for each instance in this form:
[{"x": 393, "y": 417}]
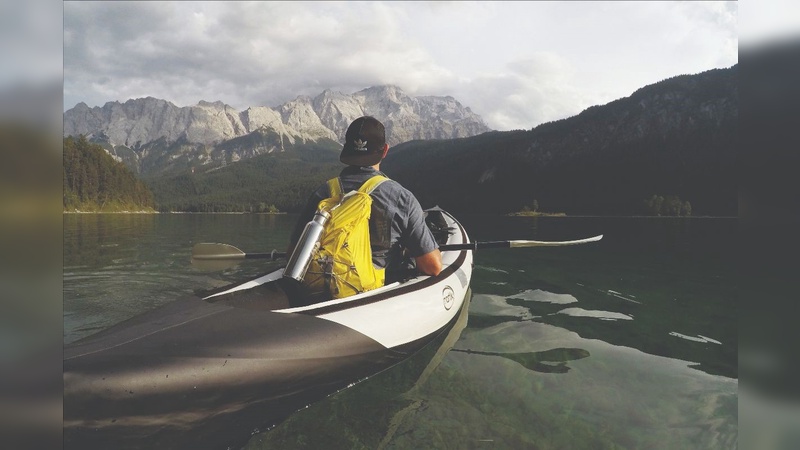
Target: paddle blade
[
  {"x": 214, "y": 265},
  {"x": 207, "y": 251},
  {"x": 520, "y": 244}
]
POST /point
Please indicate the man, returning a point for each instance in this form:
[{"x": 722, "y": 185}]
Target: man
[{"x": 397, "y": 225}]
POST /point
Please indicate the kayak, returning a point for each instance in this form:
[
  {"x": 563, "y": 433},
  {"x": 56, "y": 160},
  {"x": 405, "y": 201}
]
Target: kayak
[{"x": 209, "y": 370}]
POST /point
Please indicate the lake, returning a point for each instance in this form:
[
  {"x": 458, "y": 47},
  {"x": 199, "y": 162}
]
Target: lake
[{"x": 630, "y": 342}]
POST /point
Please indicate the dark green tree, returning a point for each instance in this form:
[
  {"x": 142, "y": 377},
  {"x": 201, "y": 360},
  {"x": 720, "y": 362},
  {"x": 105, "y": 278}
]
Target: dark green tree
[{"x": 94, "y": 181}]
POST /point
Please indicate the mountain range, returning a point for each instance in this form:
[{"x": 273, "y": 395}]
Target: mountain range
[
  {"x": 153, "y": 136},
  {"x": 668, "y": 147}
]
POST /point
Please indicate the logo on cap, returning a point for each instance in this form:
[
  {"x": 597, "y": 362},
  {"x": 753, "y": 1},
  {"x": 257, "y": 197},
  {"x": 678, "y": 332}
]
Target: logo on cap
[{"x": 360, "y": 145}]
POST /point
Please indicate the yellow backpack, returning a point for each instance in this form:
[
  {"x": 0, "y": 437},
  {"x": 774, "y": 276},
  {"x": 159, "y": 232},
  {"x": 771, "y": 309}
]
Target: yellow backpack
[{"x": 342, "y": 264}]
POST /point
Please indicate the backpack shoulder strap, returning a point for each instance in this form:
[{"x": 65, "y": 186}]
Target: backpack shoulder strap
[
  {"x": 335, "y": 188},
  {"x": 371, "y": 184}
]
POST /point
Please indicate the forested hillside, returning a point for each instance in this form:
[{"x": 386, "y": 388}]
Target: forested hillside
[
  {"x": 668, "y": 149},
  {"x": 94, "y": 181},
  {"x": 279, "y": 181}
]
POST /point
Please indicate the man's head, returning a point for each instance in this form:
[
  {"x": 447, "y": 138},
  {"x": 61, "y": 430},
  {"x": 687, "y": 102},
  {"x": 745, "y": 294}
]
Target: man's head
[{"x": 364, "y": 142}]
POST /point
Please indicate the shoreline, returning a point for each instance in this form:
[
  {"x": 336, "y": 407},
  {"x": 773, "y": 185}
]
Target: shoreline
[
  {"x": 166, "y": 212},
  {"x": 618, "y": 216},
  {"x": 110, "y": 212},
  {"x": 535, "y": 214}
]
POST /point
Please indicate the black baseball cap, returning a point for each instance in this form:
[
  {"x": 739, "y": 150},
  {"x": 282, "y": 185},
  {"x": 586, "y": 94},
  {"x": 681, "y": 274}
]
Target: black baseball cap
[{"x": 363, "y": 142}]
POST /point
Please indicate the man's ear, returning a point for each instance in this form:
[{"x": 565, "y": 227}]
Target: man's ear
[{"x": 385, "y": 150}]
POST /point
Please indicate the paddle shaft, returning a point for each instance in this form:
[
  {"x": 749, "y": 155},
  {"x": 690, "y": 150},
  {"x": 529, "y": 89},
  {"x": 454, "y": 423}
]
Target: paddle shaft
[
  {"x": 516, "y": 244},
  {"x": 475, "y": 245},
  {"x": 271, "y": 255},
  {"x": 224, "y": 251}
]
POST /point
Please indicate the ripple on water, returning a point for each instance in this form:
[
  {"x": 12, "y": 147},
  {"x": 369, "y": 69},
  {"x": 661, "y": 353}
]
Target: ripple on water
[
  {"x": 698, "y": 338},
  {"x": 602, "y": 315},
  {"x": 538, "y": 295}
]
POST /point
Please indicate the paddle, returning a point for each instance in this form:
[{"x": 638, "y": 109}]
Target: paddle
[
  {"x": 516, "y": 244},
  {"x": 208, "y": 251}
]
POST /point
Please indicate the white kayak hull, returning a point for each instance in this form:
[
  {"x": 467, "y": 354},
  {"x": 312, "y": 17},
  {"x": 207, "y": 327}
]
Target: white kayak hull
[{"x": 205, "y": 371}]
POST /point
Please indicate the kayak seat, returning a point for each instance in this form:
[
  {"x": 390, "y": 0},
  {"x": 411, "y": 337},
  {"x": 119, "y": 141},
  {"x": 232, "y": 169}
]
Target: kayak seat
[{"x": 437, "y": 223}]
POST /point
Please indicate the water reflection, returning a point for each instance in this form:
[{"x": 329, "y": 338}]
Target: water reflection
[
  {"x": 413, "y": 395},
  {"x": 602, "y": 315},
  {"x": 373, "y": 413},
  {"x": 647, "y": 315},
  {"x": 539, "y": 361}
]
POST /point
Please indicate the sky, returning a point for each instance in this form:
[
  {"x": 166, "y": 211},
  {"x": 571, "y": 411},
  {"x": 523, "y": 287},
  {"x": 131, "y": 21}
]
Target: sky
[{"x": 516, "y": 64}]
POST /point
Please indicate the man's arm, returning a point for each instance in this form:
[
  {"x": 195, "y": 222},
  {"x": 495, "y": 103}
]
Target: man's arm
[{"x": 430, "y": 263}]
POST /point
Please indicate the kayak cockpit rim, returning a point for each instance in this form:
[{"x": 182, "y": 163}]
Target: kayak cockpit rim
[{"x": 451, "y": 262}]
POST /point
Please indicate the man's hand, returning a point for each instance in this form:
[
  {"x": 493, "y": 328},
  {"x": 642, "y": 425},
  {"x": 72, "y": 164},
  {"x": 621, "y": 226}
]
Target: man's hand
[{"x": 430, "y": 263}]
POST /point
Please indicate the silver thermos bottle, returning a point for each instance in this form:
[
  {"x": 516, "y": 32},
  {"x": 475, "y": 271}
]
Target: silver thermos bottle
[{"x": 301, "y": 256}]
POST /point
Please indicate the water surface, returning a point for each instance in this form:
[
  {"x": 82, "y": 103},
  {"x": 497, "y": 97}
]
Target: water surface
[{"x": 627, "y": 343}]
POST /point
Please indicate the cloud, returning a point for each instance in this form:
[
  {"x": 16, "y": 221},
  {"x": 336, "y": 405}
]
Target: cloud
[
  {"x": 262, "y": 53},
  {"x": 534, "y": 90},
  {"x": 517, "y": 64}
]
